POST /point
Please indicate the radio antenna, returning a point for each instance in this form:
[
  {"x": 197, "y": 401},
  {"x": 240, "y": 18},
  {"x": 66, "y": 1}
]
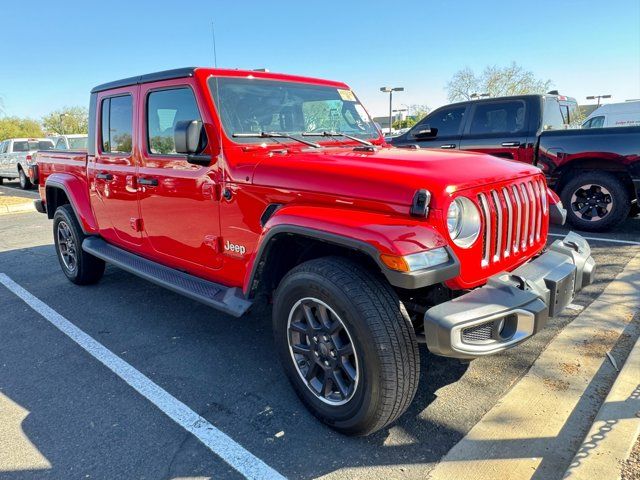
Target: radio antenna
[{"x": 213, "y": 39}]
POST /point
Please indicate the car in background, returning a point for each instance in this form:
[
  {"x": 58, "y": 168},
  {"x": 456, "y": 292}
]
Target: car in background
[
  {"x": 596, "y": 172},
  {"x": 74, "y": 141},
  {"x": 626, "y": 114},
  {"x": 17, "y": 159}
]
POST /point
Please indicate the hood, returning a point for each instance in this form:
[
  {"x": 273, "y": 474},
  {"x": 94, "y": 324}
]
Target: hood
[{"x": 389, "y": 175}]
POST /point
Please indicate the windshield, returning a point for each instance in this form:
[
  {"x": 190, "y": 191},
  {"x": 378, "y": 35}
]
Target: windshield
[
  {"x": 79, "y": 143},
  {"x": 31, "y": 145},
  {"x": 250, "y": 105}
]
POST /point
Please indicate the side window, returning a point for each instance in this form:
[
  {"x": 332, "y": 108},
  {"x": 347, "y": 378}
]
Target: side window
[
  {"x": 165, "y": 108},
  {"x": 551, "y": 115},
  {"x": 60, "y": 144},
  {"x": 498, "y": 118},
  {"x": 447, "y": 121},
  {"x": 116, "y": 120},
  {"x": 3, "y": 147},
  {"x": 597, "y": 122}
]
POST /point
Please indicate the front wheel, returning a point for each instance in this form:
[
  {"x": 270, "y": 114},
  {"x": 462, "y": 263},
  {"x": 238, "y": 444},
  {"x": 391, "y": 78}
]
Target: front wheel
[
  {"x": 347, "y": 344},
  {"x": 25, "y": 183},
  {"x": 595, "y": 201}
]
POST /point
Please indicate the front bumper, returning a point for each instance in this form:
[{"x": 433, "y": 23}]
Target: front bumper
[{"x": 512, "y": 306}]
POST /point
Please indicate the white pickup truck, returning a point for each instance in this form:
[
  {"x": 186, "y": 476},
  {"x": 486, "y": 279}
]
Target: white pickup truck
[{"x": 16, "y": 158}]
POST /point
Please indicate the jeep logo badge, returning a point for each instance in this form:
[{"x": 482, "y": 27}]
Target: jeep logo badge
[{"x": 232, "y": 247}]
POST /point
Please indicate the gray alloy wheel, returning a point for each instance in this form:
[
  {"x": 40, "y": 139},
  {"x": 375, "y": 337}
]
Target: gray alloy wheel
[
  {"x": 67, "y": 247},
  {"x": 322, "y": 351}
]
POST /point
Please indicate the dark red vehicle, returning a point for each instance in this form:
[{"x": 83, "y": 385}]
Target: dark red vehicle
[
  {"x": 596, "y": 171},
  {"x": 225, "y": 184}
]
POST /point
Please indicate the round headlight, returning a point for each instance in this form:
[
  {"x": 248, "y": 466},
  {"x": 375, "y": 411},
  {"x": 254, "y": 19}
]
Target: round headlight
[
  {"x": 454, "y": 216},
  {"x": 463, "y": 222}
]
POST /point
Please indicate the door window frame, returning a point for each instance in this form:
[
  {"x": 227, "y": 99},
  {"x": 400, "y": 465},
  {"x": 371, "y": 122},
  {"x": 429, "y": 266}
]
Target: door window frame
[
  {"x": 521, "y": 133},
  {"x": 99, "y": 116},
  {"x": 424, "y": 121},
  {"x": 145, "y": 119}
]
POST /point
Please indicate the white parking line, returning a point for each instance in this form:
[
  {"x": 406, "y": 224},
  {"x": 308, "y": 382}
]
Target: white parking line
[
  {"x": 599, "y": 239},
  {"x": 218, "y": 442}
]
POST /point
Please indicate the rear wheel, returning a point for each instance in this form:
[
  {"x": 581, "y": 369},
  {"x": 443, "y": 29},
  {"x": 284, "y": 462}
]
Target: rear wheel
[
  {"x": 595, "y": 201},
  {"x": 25, "y": 183},
  {"x": 347, "y": 344},
  {"x": 79, "y": 267}
]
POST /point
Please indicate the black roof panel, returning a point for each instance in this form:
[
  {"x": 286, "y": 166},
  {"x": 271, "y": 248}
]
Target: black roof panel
[{"x": 149, "y": 77}]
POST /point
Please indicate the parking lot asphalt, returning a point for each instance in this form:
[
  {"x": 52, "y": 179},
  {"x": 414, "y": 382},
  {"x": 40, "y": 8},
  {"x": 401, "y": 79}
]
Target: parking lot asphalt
[{"x": 85, "y": 422}]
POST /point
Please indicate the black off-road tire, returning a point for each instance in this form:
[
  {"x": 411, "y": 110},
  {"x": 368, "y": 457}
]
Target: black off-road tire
[
  {"x": 620, "y": 201},
  {"x": 86, "y": 269},
  {"x": 25, "y": 183},
  {"x": 381, "y": 332}
]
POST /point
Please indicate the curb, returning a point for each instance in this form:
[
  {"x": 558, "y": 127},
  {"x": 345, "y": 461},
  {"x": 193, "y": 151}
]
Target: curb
[
  {"x": 17, "y": 208},
  {"x": 535, "y": 429},
  {"x": 615, "y": 429}
]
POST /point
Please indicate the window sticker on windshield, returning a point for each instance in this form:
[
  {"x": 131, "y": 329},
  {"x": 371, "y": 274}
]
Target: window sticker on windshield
[{"x": 347, "y": 95}]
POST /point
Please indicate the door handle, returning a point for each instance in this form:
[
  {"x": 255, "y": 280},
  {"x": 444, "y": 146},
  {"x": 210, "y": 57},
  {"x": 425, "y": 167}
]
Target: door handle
[
  {"x": 149, "y": 182},
  {"x": 104, "y": 176},
  {"x": 510, "y": 144},
  {"x": 448, "y": 145}
]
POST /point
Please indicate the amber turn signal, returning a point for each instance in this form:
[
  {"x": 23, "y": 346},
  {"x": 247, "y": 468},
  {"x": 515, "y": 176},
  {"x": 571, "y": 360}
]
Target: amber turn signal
[{"x": 395, "y": 263}]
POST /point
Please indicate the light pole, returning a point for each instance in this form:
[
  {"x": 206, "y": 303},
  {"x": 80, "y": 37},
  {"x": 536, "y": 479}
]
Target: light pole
[
  {"x": 61, "y": 116},
  {"x": 390, "y": 91},
  {"x": 593, "y": 97}
]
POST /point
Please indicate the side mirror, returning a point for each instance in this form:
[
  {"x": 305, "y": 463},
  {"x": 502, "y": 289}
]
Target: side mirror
[
  {"x": 426, "y": 132},
  {"x": 190, "y": 139}
]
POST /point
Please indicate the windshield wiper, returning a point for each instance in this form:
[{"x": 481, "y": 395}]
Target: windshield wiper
[
  {"x": 336, "y": 134},
  {"x": 274, "y": 135}
]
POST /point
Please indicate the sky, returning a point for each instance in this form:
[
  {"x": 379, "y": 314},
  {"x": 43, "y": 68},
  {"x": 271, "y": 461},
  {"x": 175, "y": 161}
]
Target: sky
[{"x": 53, "y": 53}]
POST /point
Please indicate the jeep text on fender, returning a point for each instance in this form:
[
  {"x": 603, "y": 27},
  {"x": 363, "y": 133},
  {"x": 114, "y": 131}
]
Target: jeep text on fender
[{"x": 220, "y": 184}]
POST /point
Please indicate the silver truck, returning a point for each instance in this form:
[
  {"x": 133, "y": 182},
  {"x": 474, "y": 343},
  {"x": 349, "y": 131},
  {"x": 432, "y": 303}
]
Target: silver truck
[{"x": 17, "y": 158}]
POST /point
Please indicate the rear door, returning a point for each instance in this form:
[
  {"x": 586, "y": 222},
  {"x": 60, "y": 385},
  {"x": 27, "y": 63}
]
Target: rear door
[
  {"x": 441, "y": 129},
  {"x": 499, "y": 128},
  {"x": 112, "y": 171}
]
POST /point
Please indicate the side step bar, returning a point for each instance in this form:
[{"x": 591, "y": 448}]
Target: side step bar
[{"x": 225, "y": 299}]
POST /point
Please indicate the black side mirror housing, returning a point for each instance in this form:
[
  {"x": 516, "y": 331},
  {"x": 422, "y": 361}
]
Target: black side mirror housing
[
  {"x": 190, "y": 139},
  {"x": 426, "y": 132}
]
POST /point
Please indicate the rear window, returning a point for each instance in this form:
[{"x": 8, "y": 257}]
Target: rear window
[
  {"x": 32, "y": 145},
  {"x": 552, "y": 118},
  {"x": 117, "y": 124},
  {"x": 78, "y": 143}
]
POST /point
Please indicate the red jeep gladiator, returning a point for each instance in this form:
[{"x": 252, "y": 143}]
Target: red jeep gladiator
[{"x": 228, "y": 185}]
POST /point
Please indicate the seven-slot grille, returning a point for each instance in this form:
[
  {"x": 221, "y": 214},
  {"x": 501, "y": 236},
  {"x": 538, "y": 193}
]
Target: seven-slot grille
[{"x": 512, "y": 219}]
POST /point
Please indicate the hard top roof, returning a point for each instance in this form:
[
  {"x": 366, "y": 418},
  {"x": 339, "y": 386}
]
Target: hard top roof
[{"x": 190, "y": 72}]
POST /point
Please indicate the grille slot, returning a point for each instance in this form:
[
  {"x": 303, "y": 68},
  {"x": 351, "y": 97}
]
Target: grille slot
[
  {"x": 478, "y": 333},
  {"x": 512, "y": 219}
]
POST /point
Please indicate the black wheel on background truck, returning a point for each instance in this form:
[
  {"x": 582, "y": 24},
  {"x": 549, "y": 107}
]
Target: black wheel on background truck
[
  {"x": 79, "y": 267},
  {"x": 346, "y": 343},
  {"x": 595, "y": 201},
  {"x": 25, "y": 183}
]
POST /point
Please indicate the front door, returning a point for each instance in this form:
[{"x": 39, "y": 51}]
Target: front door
[
  {"x": 498, "y": 128},
  {"x": 112, "y": 171},
  {"x": 440, "y": 129},
  {"x": 178, "y": 200}
]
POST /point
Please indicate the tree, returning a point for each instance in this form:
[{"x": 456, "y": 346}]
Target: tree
[
  {"x": 418, "y": 111},
  {"x": 67, "y": 120},
  {"x": 14, "y": 127},
  {"x": 406, "y": 123},
  {"x": 496, "y": 82}
]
